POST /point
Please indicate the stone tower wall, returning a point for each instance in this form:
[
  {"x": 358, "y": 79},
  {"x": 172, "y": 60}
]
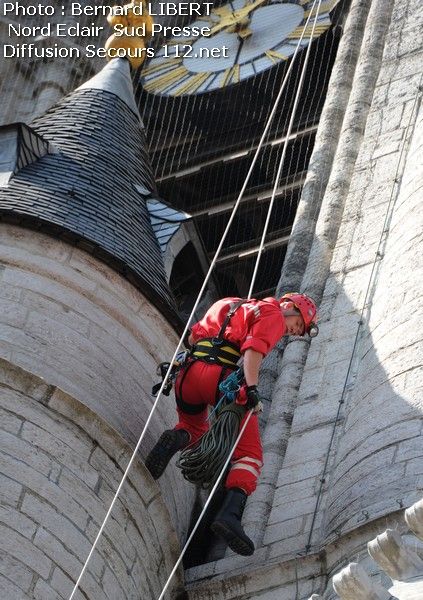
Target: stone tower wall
[
  {"x": 60, "y": 465},
  {"x": 333, "y": 494},
  {"x": 93, "y": 340},
  {"x": 374, "y": 367}
]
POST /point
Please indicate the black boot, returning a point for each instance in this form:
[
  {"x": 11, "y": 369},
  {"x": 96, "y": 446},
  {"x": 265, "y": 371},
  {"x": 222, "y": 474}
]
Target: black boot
[
  {"x": 169, "y": 443},
  {"x": 227, "y": 523}
]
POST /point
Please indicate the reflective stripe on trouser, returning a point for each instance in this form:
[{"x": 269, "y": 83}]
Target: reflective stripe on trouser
[{"x": 247, "y": 458}]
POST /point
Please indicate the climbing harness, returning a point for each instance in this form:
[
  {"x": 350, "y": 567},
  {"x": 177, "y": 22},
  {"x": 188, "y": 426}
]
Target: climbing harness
[
  {"x": 217, "y": 351},
  {"x": 214, "y": 350},
  {"x": 200, "y": 295}
]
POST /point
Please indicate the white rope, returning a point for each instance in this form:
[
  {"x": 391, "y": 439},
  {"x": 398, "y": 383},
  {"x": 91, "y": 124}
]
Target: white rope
[
  {"x": 178, "y": 562},
  {"x": 290, "y": 126},
  {"x": 200, "y": 293},
  {"x": 285, "y": 147}
]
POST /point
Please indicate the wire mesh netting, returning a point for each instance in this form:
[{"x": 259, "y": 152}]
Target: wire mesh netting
[{"x": 201, "y": 144}]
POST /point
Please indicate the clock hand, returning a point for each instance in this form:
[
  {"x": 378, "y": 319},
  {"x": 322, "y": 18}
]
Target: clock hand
[
  {"x": 235, "y": 17},
  {"x": 238, "y": 52}
]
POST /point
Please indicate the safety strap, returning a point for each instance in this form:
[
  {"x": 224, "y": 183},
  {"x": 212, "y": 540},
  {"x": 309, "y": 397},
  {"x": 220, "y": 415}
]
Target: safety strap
[{"x": 232, "y": 310}]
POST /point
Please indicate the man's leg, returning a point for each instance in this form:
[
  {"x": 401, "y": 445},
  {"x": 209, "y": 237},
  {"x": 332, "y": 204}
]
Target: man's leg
[
  {"x": 194, "y": 390},
  {"x": 241, "y": 481}
]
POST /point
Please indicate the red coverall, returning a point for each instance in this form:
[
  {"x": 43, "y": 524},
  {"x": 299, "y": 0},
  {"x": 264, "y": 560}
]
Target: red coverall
[{"x": 257, "y": 324}]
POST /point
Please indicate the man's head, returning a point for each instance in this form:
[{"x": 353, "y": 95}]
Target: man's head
[{"x": 300, "y": 314}]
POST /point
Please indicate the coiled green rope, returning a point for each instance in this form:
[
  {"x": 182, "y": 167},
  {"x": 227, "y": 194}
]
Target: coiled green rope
[{"x": 201, "y": 464}]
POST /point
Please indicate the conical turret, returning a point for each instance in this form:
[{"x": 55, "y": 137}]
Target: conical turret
[{"x": 87, "y": 190}]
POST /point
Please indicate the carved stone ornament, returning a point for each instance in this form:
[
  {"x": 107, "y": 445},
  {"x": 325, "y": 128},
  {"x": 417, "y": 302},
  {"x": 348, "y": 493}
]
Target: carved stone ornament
[
  {"x": 353, "y": 583},
  {"x": 399, "y": 561},
  {"x": 414, "y": 518}
]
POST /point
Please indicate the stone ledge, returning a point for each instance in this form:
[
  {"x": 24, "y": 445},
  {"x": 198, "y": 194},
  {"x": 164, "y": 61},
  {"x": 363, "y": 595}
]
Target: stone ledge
[{"x": 399, "y": 556}]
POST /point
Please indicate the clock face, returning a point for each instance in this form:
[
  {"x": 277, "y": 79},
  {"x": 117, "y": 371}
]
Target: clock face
[{"x": 257, "y": 35}]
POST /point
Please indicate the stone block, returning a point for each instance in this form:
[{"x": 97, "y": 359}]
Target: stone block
[
  {"x": 9, "y": 292},
  {"x": 21, "y": 381},
  {"x": 315, "y": 411},
  {"x": 61, "y": 527},
  {"x": 85, "y": 496},
  {"x": 10, "y": 422},
  {"x": 285, "y": 511},
  {"x": 362, "y": 459},
  {"x": 25, "y": 452},
  {"x": 10, "y": 590},
  {"x": 363, "y": 501},
  {"x": 64, "y": 586},
  {"x": 295, "y": 491},
  {"x": 10, "y": 491},
  {"x": 12, "y": 313},
  {"x": 127, "y": 362},
  {"x": 106, "y": 278},
  {"x": 147, "y": 585},
  {"x": 124, "y": 546},
  {"x": 17, "y": 521},
  {"x": 42, "y": 591},
  {"x": 18, "y": 547},
  {"x": 34, "y": 243},
  {"x": 54, "y": 549},
  {"x": 15, "y": 571},
  {"x": 25, "y": 264},
  {"x": 103, "y": 463},
  {"x": 414, "y": 466},
  {"x": 307, "y": 446},
  {"x": 127, "y": 497},
  {"x": 74, "y": 456},
  {"x": 379, "y": 429},
  {"x": 56, "y": 311},
  {"x": 389, "y": 142},
  {"x": 35, "y": 481},
  {"x": 299, "y": 472},
  {"x": 111, "y": 551},
  {"x": 287, "y": 546},
  {"x": 159, "y": 520},
  {"x": 38, "y": 286},
  {"x": 409, "y": 449},
  {"x": 112, "y": 588},
  {"x": 287, "y": 592},
  {"x": 283, "y": 529}
]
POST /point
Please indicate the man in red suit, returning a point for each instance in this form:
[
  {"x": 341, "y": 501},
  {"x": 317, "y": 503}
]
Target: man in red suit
[{"x": 231, "y": 328}]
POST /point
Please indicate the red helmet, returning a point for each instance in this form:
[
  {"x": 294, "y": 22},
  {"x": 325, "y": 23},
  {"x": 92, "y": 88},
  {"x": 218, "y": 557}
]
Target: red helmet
[{"x": 307, "y": 308}]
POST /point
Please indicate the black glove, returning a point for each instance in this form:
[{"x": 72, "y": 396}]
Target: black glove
[{"x": 253, "y": 399}]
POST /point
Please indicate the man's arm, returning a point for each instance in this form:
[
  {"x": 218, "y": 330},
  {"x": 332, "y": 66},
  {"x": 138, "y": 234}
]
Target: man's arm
[{"x": 252, "y": 363}]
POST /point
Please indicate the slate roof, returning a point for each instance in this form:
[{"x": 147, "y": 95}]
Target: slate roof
[{"x": 86, "y": 191}]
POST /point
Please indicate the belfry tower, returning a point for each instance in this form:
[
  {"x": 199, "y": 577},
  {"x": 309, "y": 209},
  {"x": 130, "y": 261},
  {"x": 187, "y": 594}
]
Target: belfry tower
[{"x": 86, "y": 312}]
